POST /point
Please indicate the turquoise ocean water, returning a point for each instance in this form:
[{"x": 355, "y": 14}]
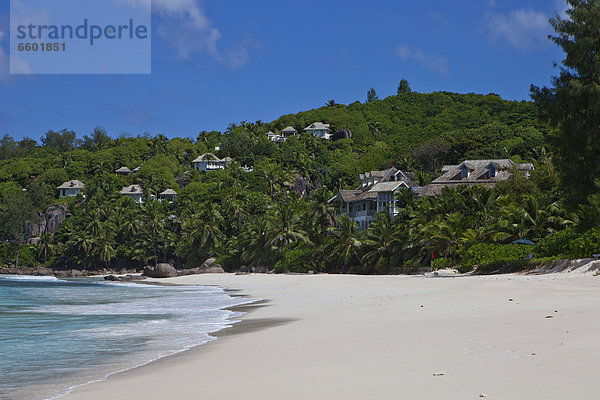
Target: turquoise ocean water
[{"x": 57, "y": 334}]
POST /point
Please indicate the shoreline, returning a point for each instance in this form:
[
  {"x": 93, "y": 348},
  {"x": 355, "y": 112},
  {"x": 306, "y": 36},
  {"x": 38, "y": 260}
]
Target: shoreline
[
  {"x": 340, "y": 337},
  {"x": 61, "y": 388},
  {"x": 236, "y": 328}
]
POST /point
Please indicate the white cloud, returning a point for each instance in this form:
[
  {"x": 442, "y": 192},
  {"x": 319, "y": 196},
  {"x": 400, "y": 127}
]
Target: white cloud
[
  {"x": 187, "y": 28},
  {"x": 435, "y": 63},
  {"x": 521, "y": 28},
  {"x": 237, "y": 56}
]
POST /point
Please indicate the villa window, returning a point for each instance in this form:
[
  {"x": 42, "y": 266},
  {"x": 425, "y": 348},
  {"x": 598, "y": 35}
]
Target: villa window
[{"x": 364, "y": 206}]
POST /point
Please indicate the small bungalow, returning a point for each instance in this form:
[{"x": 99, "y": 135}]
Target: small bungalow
[
  {"x": 486, "y": 173},
  {"x": 210, "y": 162},
  {"x": 135, "y": 192},
  {"x": 123, "y": 171},
  {"x": 376, "y": 193},
  {"x": 275, "y": 138},
  {"x": 168, "y": 195},
  {"x": 70, "y": 189},
  {"x": 289, "y": 131},
  {"x": 320, "y": 130}
]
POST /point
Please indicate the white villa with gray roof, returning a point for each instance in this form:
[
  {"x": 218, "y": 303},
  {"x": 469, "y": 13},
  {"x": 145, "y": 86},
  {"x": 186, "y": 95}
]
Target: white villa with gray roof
[
  {"x": 135, "y": 192},
  {"x": 486, "y": 173},
  {"x": 282, "y": 136},
  {"x": 209, "y": 162},
  {"x": 70, "y": 188},
  {"x": 319, "y": 130},
  {"x": 376, "y": 193}
]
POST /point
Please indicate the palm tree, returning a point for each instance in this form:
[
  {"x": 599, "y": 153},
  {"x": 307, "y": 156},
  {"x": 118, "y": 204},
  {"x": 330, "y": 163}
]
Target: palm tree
[
  {"x": 94, "y": 227},
  {"x": 374, "y": 128},
  {"x": 484, "y": 200},
  {"x": 130, "y": 225},
  {"x": 285, "y": 229},
  {"x": 46, "y": 249},
  {"x": 330, "y": 103},
  {"x": 275, "y": 176},
  {"x": 323, "y": 211},
  {"x": 105, "y": 250},
  {"x": 442, "y": 236},
  {"x": 256, "y": 242},
  {"x": 203, "y": 230},
  {"x": 320, "y": 246},
  {"x": 346, "y": 241},
  {"x": 381, "y": 243}
]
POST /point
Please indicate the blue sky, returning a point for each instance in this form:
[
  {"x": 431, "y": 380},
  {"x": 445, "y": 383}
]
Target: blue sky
[{"x": 217, "y": 62}]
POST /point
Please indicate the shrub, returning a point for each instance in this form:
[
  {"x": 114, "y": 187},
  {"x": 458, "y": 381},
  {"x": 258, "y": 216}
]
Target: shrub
[
  {"x": 503, "y": 267},
  {"x": 586, "y": 244},
  {"x": 441, "y": 263},
  {"x": 297, "y": 260},
  {"x": 558, "y": 244},
  {"x": 27, "y": 254},
  {"x": 229, "y": 263},
  {"x": 487, "y": 253}
]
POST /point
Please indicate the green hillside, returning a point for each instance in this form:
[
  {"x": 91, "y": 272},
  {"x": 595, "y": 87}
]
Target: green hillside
[
  {"x": 405, "y": 120},
  {"x": 277, "y": 216}
]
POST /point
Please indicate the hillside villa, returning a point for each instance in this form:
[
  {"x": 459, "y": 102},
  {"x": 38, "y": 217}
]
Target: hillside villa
[
  {"x": 485, "y": 173},
  {"x": 275, "y": 138},
  {"x": 123, "y": 171},
  {"x": 168, "y": 195},
  {"x": 289, "y": 131},
  {"x": 375, "y": 194},
  {"x": 70, "y": 189},
  {"x": 320, "y": 130},
  {"x": 283, "y": 136},
  {"x": 209, "y": 162},
  {"x": 135, "y": 192}
]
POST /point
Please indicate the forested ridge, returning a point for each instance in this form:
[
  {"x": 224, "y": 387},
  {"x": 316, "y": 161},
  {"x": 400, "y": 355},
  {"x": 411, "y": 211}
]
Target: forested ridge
[{"x": 276, "y": 216}]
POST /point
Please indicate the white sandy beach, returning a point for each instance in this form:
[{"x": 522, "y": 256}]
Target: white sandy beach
[{"x": 368, "y": 337}]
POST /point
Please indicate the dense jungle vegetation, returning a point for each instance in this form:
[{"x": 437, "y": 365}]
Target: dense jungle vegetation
[
  {"x": 265, "y": 218},
  {"x": 278, "y": 216}
]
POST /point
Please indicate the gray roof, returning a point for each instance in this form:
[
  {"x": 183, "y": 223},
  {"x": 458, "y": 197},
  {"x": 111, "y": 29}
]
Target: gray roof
[
  {"x": 207, "y": 157},
  {"x": 211, "y": 157},
  {"x": 289, "y": 130},
  {"x": 436, "y": 189},
  {"x": 479, "y": 171},
  {"x": 387, "y": 186},
  {"x": 388, "y": 175},
  {"x": 318, "y": 126},
  {"x": 123, "y": 170},
  {"x": 74, "y": 184},
  {"x": 386, "y": 182},
  {"x": 168, "y": 192},
  {"x": 352, "y": 196},
  {"x": 133, "y": 189},
  {"x": 478, "y": 174}
]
